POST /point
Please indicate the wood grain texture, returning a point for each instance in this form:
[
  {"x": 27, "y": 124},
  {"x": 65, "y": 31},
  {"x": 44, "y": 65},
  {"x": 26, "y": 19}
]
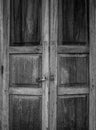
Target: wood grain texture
[
  {"x": 92, "y": 109},
  {"x": 1, "y": 58},
  {"x": 45, "y": 64},
  {"x": 72, "y": 49},
  {"x": 26, "y": 22},
  {"x": 25, "y": 69},
  {"x": 25, "y": 91},
  {"x": 53, "y": 62},
  {"x": 72, "y": 19},
  {"x": 6, "y": 24},
  {"x": 26, "y": 50},
  {"x": 45, "y": 85},
  {"x": 73, "y": 70},
  {"x": 53, "y": 86},
  {"x": 72, "y": 113},
  {"x": 23, "y": 59},
  {"x": 73, "y": 90},
  {"x": 25, "y": 113}
]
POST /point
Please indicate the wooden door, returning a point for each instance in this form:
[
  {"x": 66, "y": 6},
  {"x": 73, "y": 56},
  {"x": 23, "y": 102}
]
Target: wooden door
[
  {"x": 48, "y": 72},
  {"x": 73, "y": 66},
  {"x": 26, "y": 65},
  {"x": 69, "y": 64}
]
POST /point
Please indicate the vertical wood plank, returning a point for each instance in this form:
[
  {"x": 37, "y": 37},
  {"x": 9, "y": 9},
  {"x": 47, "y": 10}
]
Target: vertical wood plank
[
  {"x": 6, "y": 21},
  {"x": 45, "y": 63},
  {"x": 53, "y": 62},
  {"x": 45, "y": 87},
  {"x": 92, "y": 109},
  {"x": 1, "y": 58}
]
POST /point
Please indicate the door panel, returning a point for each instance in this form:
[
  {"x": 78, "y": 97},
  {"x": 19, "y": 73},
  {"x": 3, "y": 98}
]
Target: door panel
[
  {"x": 26, "y": 22},
  {"x": 72, "y": 22},
  {"x": 75, "y": 113},
  {"x": 25, "y": 69},
  {"x": 73, "y": 70},
  {"x": 25, "y": 112}
]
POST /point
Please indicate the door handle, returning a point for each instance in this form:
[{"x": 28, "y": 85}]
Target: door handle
[{"x": 43, "y": 79}]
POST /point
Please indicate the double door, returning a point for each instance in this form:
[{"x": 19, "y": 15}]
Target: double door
[{"x": 46, "y": 65}]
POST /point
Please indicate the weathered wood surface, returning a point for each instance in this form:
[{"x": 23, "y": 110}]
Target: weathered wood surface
[
  {"x": 45, "y": 64},
  {"x": 28, "y": 64},
  {"x": 6, "y": 34},
  {"x": 25, "y": 113},
  {"x": 73, "y": 65},
  {"x": 1, "y": 58},
  {"x": 32, "y": 49},
  {"x": 92, "y": 109},
  {"x": 25, "y": 69},
  {"x": 26, "y": 91},
  {"x": 73, "y": 70},
  {"x": 74, "y": 111},
  {"x": 53, "y": 62},
  {"x": 72, "y": 22},
  {"x": 26, "y": 22},
  {"x": 73, "y": 90},
  {"x": 65, "y": 49}
]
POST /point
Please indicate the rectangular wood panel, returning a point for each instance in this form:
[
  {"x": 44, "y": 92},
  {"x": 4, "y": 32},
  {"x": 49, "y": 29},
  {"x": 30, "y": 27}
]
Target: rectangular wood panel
[
  {"x": 73, "y": 70},
  {"x": 25, "y": 69},
  {"x": 25, "y": 113},
  {"x": 72, "y": 113},
  {"x": 72, "y": 21},
  {"x": 25, "y": 22}
]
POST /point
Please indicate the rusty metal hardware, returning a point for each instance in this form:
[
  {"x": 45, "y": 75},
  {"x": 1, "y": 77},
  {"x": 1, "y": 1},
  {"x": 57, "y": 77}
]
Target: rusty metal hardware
[
  {"x": 42, "y": 79},
  {"x": 51, "y": 77}
]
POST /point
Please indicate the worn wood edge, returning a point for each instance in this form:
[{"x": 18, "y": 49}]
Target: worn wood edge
[
  {"x": 45, "y": 64},
  {"x": 92, "y": 97},
  {"x": 73, "y": 91},
  {"x": 73, "y": 55},
  {"x": 6, "y": 24},
  {"x": 73, "y": 96},
  {"x": 1, "y": 61},
  {"x": 53, "y": 63},
  {"x": 25, "y": 91},
  {"x": 45, "y": 88},
  {"x": 34, "y": 49},
  {"x": 72, "y": 49}
]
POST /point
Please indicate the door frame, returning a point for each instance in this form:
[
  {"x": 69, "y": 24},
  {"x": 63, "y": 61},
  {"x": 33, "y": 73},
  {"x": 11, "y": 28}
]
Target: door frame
[
  {"x": 4, "y": 29},
  {"x": 92, "y": 64}
]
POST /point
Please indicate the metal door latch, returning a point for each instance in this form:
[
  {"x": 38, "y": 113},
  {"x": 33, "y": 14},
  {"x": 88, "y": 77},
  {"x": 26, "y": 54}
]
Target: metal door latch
[
  {"x": 51, "y": 77},
  {"x": 41, "y": 79}
]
